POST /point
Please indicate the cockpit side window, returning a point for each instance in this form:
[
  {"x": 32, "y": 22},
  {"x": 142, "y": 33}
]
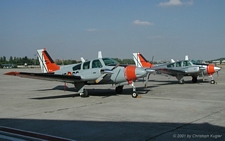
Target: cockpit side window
[
  {"x": 77, "y": 67},
  {"x": 96, "y": 64},
  {"x": 109, "y": 61},
  {"x": 86, "y": 65},
  {"x": 178, "y": 64},
  {"x": 170, "y": 65},
  {"x": 186, "y": 63}
]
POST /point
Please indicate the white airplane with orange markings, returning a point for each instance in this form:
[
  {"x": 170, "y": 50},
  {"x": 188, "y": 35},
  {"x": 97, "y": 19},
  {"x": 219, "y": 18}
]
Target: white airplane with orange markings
[
  {"x": 179, "y": 69},
  {"x": 96, "y": 71}
]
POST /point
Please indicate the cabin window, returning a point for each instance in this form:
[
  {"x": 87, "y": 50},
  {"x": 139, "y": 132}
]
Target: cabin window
[
  {"x": 178, "y": 64},
  {"x": 186, "y": 63},
  {"x": 109, "y": 61},
  {"x": 96, "y": 64},
  {"x": 170, "y": 65},
  {"x": 86, "y": 65},
  {"x": 77, "y": 67}
]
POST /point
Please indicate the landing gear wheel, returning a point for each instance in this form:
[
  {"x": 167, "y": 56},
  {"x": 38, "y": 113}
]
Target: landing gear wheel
[
  {"x": 119, "y": 89},
  {"x": 134, "y": 94},
  {"x": 194, "y": 79},
  {"x": 84, "y": 93},
  {"x": 181, "y": 81},
  {"x": 212, "y": 82}
]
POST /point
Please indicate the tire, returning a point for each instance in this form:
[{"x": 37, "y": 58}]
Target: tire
[
  {"x": 181, "y": 81},
  {"x": 134, "y": 94},
  {"x": 119, "y": 89},
  {"x": 194, "y": 79},
  {"x": 212, "y": 82},
  {"x": 85, "y": 93}
]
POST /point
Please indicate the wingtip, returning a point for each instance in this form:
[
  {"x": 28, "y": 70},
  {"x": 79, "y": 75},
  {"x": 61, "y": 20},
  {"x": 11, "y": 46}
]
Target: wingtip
[{"x": 12, "y": 73}]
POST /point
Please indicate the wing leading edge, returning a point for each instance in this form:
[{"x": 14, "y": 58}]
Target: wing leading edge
[{"x": 47, "y": 76}]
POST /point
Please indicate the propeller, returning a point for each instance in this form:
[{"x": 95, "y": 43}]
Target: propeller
[
  {"x": 152, "y": 59},
  {"x": 149, "y": 72},
  {"x": 203, "y": 76},
  {"x": 146, "y": 80},
  {"x": 105, "y": 72}
]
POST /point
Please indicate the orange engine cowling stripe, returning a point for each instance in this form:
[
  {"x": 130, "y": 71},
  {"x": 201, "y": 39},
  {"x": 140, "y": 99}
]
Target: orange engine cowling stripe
[
  {"x": 210, "y": 69},
  {"x": 130, "y": 73}
]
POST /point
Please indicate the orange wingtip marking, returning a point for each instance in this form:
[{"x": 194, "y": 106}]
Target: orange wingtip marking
[{"x": 12, "y": 73}]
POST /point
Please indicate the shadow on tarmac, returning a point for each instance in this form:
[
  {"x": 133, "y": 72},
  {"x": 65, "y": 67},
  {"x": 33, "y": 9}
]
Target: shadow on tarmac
[
  {"x": 175, "y": 82},
  {"x": 118, "y": 130},
  {"x": 104, "y": 93}
]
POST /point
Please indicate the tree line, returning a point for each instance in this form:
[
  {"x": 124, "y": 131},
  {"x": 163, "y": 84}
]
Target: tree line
[{"x": 16, "y": 61}]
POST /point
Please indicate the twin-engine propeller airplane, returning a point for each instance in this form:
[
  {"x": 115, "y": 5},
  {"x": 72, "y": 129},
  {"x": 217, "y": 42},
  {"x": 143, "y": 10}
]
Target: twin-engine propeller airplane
[
  {"x": 97, "y": 71},
  {"x": 179, "y": 69}
]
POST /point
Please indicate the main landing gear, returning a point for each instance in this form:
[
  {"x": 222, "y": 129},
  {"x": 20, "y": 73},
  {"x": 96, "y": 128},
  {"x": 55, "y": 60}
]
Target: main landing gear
[
  {"x": 180, "y": 79},
  {"x": 119, "y": 90},
  {"x": 84, "y": 93},
  {"x": 194, "y": 79}
]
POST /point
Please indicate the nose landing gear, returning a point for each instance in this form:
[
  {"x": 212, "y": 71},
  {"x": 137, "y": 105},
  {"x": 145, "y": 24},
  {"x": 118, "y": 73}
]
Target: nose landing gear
[
  {"x": 212, "y": 81},
  {"x": 119, "y": 90}
]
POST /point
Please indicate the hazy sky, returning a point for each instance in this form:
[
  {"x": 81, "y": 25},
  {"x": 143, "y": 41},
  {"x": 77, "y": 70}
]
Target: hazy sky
[{"x": 70, "y": 29}]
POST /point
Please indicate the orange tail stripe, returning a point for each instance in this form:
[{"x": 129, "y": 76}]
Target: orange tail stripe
[
  {"x": 144, "y": 62},
  {"x": 51, "y": 66}
]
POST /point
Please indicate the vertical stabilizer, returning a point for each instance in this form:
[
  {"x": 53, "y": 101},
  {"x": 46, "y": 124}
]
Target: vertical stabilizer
[
  {"x": 137, "y": 60},
  {"x": 99, "y": 54},
  {"x": 172, "y": 61},
  {"x": 82, "y": 59},
  {"x": 140, "y": 61},
  {"x": 46, "y": 62}
]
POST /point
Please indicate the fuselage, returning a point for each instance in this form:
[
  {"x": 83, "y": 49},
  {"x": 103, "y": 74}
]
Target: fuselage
[
  {"x": 113, "y": 73},
  {"x": 188, "y": 68}
]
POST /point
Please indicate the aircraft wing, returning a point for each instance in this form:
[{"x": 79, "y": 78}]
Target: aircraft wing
[
  {"x": 170, "y": 71},
  {"x": 184, "y": 71},
  {"x": 47, "y": 76}
]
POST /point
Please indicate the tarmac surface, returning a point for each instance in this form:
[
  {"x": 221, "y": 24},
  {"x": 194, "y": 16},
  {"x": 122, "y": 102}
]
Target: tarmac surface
[{"x": 166, "y": 110}]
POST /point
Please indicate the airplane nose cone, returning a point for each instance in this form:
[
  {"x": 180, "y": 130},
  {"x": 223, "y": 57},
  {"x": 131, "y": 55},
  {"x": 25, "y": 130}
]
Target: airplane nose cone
[
  {"x": 140, "y": 72},
  {"x": 217, "y": 69}
]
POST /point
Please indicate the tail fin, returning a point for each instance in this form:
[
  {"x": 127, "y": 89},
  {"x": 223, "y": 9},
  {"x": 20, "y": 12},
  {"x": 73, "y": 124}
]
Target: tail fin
[
  {"x": 186, "y": 57},
  {"x": 140, "y": 61},
  {"x": 46, "y": 62},
  {"x": 99, "y": 54},
  {"x": 172, "y": 61}
]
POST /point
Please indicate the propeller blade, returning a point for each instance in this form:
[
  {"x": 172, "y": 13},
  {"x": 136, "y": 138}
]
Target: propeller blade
[
  {"x": 203, "y": 77},
  {"x": 115, "y": 66},
  {"x": 152, "y": 59},
  {"x": 100, "y": 78},
  {"x": 146, "y": 80},
  {"x": 105, "y": 72}
]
